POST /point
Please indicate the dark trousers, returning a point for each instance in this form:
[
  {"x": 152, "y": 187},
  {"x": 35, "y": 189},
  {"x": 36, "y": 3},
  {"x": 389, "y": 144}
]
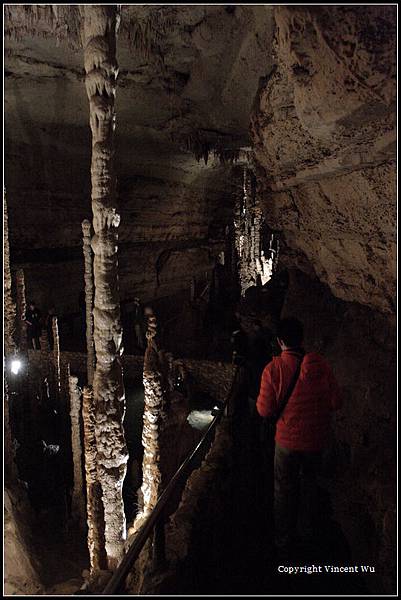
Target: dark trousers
[{"x": 295, "y": 494}]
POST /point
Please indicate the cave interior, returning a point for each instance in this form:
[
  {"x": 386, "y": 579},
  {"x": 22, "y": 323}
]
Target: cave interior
[{"x": 233, "y": 165}]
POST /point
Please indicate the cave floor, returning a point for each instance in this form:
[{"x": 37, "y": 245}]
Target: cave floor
[{"x": 248, "y": 564}]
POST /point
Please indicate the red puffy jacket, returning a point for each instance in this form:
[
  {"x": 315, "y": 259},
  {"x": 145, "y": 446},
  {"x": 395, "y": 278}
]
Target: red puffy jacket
[{"x": 304, "y": 424}]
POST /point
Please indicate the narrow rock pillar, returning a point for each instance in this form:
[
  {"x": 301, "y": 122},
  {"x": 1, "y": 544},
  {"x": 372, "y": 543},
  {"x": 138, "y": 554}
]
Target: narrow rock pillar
[
  {"x": 100, "y": 26},
  {"x": 88, "y": 276},
  {"x": 21, "y": 309},
  {"x": 78, "y": 505},
  {"x": 94, "y": 504},
  {"x": 10, "y": 316},
  {"x": 153, "y": 385},
  {"x": 10, "y": 312},
  {"x": 56, "y": 358}
]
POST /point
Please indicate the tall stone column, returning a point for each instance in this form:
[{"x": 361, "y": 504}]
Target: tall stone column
[
  {"x": 94, "y": 505},
  {"x": 75, "y": 393},
  {"x": 88, "y": 276},
  {"x": 21, "y": 309},
  {"x": 10, "y": 312},
  {"x": 100, "y": 26},
  {"x": 153, "y": 387},
  {"x": 10, "y": 347}
]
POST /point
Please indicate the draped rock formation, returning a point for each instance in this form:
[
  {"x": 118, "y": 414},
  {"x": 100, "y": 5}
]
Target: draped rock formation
[
  {"x": 78, "y": 508},
  {"x": 88, "y": 275},
  {"x": 100, "y": 24}
]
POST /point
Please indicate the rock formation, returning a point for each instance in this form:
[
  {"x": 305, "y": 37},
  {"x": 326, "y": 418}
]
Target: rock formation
[
  {"x": 100, "y": 24},
  {"x": 321, "y": 145},
  {"x": 324, "y": 132},
  {"x": 9, "y": 304},
  {"x": 153, "y": 396},
  {"x": 94, "y": 505},
  {"x": 88, "y": 275},
  {"x": 75, "y": 393}
]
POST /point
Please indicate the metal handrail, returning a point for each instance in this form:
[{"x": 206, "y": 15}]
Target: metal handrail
[{"x": 119, "y": 576}]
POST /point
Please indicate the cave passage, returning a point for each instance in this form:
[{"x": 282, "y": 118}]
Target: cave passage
[{"x": 178, "y": 180}]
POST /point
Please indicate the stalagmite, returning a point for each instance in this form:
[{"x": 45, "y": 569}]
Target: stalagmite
[
  {"x": 94, "y": 504},
  {"x": 100, "y": 25},
  {"x": 56, "y": 356},
  {"x": 88, "y": 275},
  {"x": 153, "y": 385},
  {"x": 21, "y": 309},
  {"x": 77, "y": 508},
  {"x": 10, "y": 313},
  {"x": 253, "y": 265}
]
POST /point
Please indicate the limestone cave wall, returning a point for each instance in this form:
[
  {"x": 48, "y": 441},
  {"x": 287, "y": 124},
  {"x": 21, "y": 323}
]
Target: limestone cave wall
[
  {"x": 171, "y": 229},
  {"x": 324, "y": 132}
]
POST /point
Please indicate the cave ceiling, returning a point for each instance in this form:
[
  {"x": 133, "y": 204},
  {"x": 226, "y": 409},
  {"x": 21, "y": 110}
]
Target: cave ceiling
[{"x": 188, "y": 79}]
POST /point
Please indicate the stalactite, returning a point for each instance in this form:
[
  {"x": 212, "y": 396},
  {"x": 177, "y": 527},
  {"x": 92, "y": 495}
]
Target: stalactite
[
  {"x": 94, "y": 504},
  {"x": 253, "y": 265},
  {"x": 100, "y": 26},
  {"x": 88, "y": 275},
  {"x": 75, "y": 393},
  {"x": 44, "y": 20},
  {"x": 21, "y": 309},
  {"x": 56, "y": 357}
]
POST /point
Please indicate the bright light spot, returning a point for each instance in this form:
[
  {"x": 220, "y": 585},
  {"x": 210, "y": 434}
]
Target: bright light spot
[
  {"x": 16, "y": 366},
  {"x": 200, "y": 419}
]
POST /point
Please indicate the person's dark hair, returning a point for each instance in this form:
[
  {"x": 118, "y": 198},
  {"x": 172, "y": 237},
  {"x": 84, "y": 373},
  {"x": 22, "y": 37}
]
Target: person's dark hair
[{"x": 291, "y": 332}]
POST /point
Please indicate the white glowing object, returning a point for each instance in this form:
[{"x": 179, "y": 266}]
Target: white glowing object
[
  {"x": 200, "y": 419},
  {"x": 15, "y": 366}
]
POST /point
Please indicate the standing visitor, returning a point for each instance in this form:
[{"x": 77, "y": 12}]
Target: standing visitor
[{"x": 302, "y": 430}]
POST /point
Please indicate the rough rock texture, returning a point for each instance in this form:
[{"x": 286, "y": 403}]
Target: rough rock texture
[
  {"x": 10, "y": 314},
  {"x": 360, "y": 344},
  {"x": 21, "y": 309},
  {"x": 324, "y": 131},
  {"x": 20, "y": 570},
  {"x": 75, "y": 393},
  {"x": 254, "y": 266},
  {"x": 100, "y": 26},
  {"x": 88, "y": 276},
  {"x": 180, "y": 69},
  {"x": 56, "y": 357},
  {"x": 94, "y": 506},
  {"x": 152, "y": 420},
  {"x": 202, "y": 501}
]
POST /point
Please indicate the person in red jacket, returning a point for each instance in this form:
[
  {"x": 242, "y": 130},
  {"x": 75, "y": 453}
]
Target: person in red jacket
[{"x": 302, "y": 430}]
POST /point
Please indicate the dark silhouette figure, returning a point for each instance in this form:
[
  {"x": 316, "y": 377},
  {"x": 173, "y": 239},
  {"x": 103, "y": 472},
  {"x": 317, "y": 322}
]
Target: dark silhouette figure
[
  {"x": 139, "y": 324},
  {"x": 33, "y": 322},
  {"x": 259, "y": 355}
]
